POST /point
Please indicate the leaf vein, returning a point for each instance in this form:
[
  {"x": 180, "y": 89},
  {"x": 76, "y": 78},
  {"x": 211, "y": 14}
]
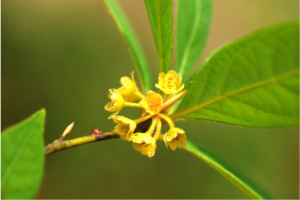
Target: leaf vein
[
  {"x": 230, "y": 64},
  {"x": 257, "y": 110},
  {"x": 238, "y": 91},
  {"x": 230, "y": 116},
  {"x": 167, "y": 4}
]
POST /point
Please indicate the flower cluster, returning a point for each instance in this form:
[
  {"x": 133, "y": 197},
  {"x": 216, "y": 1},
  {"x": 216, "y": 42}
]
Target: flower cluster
[{"x": 153, "y": 105}]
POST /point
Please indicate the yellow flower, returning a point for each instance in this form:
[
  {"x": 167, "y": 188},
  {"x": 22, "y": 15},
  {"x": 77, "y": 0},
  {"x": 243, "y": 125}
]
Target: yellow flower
[
  {"x": 116, "y": 104},
  {"x": 129, "y": 90},
  {"x": 128, "y": 85},
  {"x": 169, "y": 83},
  {"x": 144, "y": 143},
  {"x": 125, "y": 127},
  {"x": 175, "y": 137},
  {"x": 152, "y": 103}
]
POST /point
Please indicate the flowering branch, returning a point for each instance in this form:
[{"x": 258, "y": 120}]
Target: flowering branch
[{"x": 144, "y": 131}]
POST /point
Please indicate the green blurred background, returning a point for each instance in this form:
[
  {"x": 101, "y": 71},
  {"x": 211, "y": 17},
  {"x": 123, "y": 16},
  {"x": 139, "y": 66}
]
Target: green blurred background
[{"x": 64, "y": 55}]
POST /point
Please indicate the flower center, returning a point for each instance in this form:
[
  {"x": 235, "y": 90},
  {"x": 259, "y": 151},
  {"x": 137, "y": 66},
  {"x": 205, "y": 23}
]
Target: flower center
[
  {"x": 177, "y": 137},
  {"x": 171, "y": 85},
  {"x": 125, "y": 127},
  {"x": 154, "y": 103}
]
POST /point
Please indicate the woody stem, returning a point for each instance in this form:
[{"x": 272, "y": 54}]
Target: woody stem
[
  {"x": 66, "y": 144},
  {"x": 172, "y": 101},
  {"x": 167, "y": 96}
]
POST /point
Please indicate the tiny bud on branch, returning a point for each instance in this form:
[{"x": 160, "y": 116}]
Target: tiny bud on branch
[
  {"x": 96, "y": 132},
  {"x": 66, "y": 132}
]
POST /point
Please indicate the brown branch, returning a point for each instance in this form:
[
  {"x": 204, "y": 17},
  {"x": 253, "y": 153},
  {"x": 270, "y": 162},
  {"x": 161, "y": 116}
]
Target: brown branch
[
  {"x": 59, "y": 145},
  {"x": 172, "y": 101}
]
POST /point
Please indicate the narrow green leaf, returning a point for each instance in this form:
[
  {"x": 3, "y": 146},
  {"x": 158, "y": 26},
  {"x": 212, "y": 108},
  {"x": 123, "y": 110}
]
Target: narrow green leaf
[
  {"x": 135, "y": 49},
  {"x": 160, "y": 13},
  {"x": 238, "y": 178},
  {"x": 193, "y": 23},
  {"x": 253, "y": 81},
  {"x": 22, "y": 158}
]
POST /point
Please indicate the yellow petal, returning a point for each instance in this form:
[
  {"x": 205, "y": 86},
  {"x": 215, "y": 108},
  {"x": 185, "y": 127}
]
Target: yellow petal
[
  {"x": 120, "y": 129},
  {"x": 180, "y": 88},
  {"x": 170, "y": 135},
  {"x": 123, "y": 137},
  {"x": 128, "y": 85},
  {"x": 151, "y": 152},
  {"x": 165, "y": 140},
  {"x": 178, "y": 79},
  {"x": 171, "y": 75},
  {"x": 126, "y": 81},
  {"x": 182, "y": 141},
  {"x": 148, "y": 139},
  {"x": 138, "y": 138},
  {"x": 116, "y": 119},
  {"x": 137, "y": 147},
  {"x": 172, "y": 145},
  {"x": 129, "y": 136},
  {"x": 117, "y": 97},
  {"x": 158, "y": 86},
  {"x": 148, "y": 149},
  {"x": 179, "y": 130},
  {"x": 108, "y": 106},
  {"x": 161, "y": 78}
]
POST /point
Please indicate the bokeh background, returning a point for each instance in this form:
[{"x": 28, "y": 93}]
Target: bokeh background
[{"x": 64, "y": 55}]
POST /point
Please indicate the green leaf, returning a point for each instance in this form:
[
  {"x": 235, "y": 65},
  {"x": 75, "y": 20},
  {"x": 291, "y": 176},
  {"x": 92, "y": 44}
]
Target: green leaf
[
  {"x": 135, "y": 49},
  {"x": 160, "y": 13},
  {"x": 193, "y": 23},
  {"x": 22, "y": 158},
  {"x": 228, "y": 171},
  {"x": 253, "y": 81}
]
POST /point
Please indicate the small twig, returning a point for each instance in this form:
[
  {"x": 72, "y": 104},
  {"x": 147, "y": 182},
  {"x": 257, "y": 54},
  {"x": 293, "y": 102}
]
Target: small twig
[
  {"x": 172, "y": 101},
  {"x": 59, "y": 145}
]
